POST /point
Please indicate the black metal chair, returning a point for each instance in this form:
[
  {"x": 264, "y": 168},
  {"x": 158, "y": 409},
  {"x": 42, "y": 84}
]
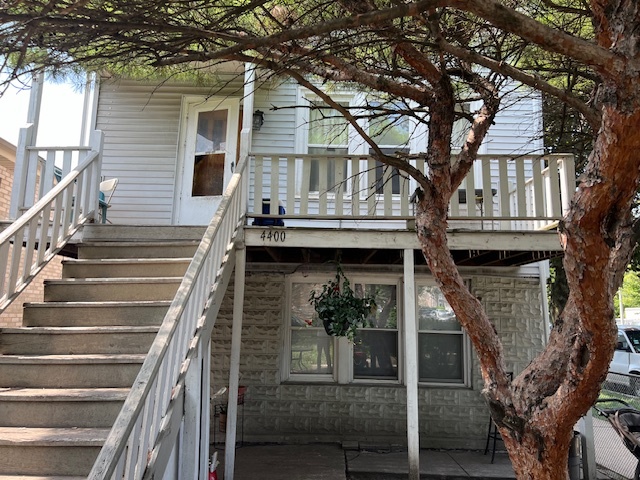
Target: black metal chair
[{"x": 493, "y": 433}]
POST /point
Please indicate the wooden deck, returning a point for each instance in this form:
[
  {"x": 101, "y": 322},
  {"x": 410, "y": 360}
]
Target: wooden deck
[{"x": 355, "y": 192}]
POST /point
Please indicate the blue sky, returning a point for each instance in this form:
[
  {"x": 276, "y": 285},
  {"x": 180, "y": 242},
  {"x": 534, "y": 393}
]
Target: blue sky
[{"x": 60, "y": 114}]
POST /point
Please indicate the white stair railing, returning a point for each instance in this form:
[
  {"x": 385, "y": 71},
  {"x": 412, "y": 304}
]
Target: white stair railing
[
  {"x": 43, "y": 230},
  {"x": 146, "y": 432}
]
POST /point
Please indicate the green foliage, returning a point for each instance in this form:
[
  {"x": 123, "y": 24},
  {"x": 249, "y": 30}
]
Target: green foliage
[
  {"x": 630, "y": 292},
  {"x": 339, "y": 308}
]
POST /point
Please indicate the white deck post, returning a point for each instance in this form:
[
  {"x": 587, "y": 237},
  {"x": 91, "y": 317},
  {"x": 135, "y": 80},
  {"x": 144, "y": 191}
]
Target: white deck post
[
  {"x": 205, "y": 412},
  {"x": 26, "y": 138},
  {"x": 234, "y": 363},
  {"x": 246, "y": 133},
  {"x": 192, "y": 464},
  {"x": 411, "y": 366}
]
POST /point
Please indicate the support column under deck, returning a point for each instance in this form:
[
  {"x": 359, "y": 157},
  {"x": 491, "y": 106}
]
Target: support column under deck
[
  {"x": 234, "y": 365},
  {"x": 411, "y": 365}
]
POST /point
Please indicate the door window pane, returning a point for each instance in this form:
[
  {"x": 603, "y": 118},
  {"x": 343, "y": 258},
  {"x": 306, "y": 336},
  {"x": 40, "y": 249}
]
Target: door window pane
[
  {"x": 209, "y": 160},
  {"x": 212, "y": 132},
  {"x": 208, "y": 175}
]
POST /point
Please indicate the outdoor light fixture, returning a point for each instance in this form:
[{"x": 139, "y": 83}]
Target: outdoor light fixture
[{"x": 258, "y": 119}]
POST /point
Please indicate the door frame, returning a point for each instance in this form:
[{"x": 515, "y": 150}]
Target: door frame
[{"x": 191, "y": 106}]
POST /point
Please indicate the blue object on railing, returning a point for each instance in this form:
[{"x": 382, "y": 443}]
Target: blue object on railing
[{"x": 268, "y": 222}]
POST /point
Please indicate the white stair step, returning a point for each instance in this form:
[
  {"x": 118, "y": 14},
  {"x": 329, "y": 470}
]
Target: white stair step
[
  {"x": 95, "y": 313},
  {"x": 111, "y": 289},
  {"x": 53, "y": 407},
  {"x": 49, "y": 451},
  {"x": 125, "y": 267},
  {"x": 104, "y": 250},
  {"x": 69, "y": 371},
  {"x": 76, "y": 340},
  {"x": 42, "y": 477},
  {"x": 106, "y": 232}
]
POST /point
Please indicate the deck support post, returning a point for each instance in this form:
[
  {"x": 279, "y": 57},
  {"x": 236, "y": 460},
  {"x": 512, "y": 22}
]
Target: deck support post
[
  {"x": 196, "y": 400},
  {"x": 27, "y": 138},
  {"x": 411, "y": 365},
  {"x": 234, "y": 362}
]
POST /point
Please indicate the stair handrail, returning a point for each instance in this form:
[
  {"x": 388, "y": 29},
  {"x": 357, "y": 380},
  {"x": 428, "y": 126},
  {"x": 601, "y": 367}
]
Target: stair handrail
[
  {"x": 45, "y": 228},
  {"x": 135, "y": 432}
]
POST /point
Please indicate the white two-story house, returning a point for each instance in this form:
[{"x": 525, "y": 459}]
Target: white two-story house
[{"x": 269, "y": 196}]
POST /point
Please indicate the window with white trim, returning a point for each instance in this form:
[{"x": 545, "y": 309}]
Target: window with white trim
[
  {"x": 376, "y": 355},
  {"x": 375, "y": 348},
  {"x": 311, "y": 349},
  {"x": 442, "y": 346},
  {"x": 392, "y": 133},
  {"x": 312, "y": 353},
  {"x": 328, "y": 134}
]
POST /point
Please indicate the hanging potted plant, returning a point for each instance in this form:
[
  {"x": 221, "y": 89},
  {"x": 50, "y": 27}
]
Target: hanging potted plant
[{"x": 337, "y": 306}]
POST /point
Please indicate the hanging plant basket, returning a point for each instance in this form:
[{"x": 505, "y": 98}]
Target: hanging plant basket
[{"x": 340, "y": 311}]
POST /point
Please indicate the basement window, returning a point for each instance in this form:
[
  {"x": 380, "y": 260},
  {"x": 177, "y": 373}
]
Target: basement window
[{"x": 376, "y": 355}]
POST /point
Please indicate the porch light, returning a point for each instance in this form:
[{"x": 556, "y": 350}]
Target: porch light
[{"x": 258, "y": 119}]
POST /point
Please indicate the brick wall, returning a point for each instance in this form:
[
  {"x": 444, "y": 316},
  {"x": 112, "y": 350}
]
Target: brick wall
[
  {"x": 12, "y": 316},
  {"x": 374, "y": 414}
]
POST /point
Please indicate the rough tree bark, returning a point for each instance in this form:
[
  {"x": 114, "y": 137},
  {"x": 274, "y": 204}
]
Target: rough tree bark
[{"x": 537, "y": 412}]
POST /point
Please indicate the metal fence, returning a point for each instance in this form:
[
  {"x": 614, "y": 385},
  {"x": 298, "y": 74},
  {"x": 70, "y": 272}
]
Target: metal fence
[{"x": 612, "y": 457}]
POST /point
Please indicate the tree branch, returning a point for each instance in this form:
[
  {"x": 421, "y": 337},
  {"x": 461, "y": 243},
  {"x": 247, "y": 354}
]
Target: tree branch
[
  {"x": 590, "y": 114},
  {"x": 546, "y": 37}
]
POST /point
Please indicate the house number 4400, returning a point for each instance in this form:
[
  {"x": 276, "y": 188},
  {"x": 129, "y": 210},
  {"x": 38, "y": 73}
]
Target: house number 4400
[{"x": 273, "y": 235}]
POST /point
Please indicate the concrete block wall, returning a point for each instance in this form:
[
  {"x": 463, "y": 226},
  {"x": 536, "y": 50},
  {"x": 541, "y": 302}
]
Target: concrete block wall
[{"x": 373, "y": 414}]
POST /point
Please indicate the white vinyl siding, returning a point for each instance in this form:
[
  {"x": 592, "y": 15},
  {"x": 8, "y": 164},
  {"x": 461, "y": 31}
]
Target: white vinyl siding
[
  {"x": 277, "y": 135},
  {"x": 141, "y": 123},
  {"x": 517, "y": 129}
]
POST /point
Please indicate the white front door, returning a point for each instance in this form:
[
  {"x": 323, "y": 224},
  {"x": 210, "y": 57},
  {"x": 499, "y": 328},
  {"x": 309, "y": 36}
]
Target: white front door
[{"x": 209, "y": 142}]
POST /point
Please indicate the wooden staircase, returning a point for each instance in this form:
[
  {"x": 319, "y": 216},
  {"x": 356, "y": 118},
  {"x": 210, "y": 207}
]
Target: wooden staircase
[{"x": 66, "y": 373}]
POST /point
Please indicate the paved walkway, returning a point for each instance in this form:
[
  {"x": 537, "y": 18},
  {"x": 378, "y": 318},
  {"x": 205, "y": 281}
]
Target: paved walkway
[{"x": 331, "y": 462}]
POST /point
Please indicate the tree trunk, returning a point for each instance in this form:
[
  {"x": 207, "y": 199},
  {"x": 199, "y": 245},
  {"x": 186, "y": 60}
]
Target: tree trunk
[{"x": 536, "y": 412}]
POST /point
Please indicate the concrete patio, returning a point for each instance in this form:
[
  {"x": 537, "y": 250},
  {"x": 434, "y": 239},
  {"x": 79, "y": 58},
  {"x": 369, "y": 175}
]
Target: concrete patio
[{"x": 332, "y": 462}]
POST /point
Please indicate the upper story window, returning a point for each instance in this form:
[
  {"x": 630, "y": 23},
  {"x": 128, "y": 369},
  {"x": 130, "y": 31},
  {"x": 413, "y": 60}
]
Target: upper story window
[
  {"x": 376, "y": 354},
  {"x": 328, "y": 130},
  {"x": 392, "y": 133},
  {"x": 327, "y": 134}
]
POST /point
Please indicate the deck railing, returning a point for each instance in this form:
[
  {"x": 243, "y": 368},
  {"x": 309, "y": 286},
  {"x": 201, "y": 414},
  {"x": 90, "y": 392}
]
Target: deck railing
[
  {"x": 38, "y": 169},
  {"x": 162, "y": 398},
  {"x": 31, "y": 241},
  {"x": 500, "y": 192}
]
